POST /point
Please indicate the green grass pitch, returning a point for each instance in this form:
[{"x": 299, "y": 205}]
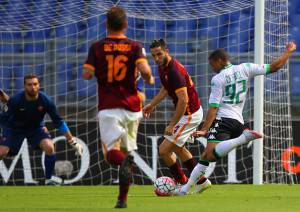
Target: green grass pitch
[{"x": 242, "y": 198}]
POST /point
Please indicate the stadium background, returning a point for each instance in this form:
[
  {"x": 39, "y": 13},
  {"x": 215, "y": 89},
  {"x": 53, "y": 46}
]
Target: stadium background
[{"x": 37, "y": 45}]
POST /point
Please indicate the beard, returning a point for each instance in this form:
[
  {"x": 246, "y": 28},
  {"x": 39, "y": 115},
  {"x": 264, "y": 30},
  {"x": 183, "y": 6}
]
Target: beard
[
  {"x": 164, "y": 62},
  {"x": 32, "y": 93}
]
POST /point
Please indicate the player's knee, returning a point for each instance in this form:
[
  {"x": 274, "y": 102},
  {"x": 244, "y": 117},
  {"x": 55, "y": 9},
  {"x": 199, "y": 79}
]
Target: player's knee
[
  {"x": 3, "y": 152},
  {"x": 204, "y": 156},
  {"x": 163, "y": 152},
  {"x": 208, "y": 156},
  {"x": 48, "y": 148}
]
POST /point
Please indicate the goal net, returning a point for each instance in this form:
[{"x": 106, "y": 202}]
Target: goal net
[{"x": 51, "y": 39}]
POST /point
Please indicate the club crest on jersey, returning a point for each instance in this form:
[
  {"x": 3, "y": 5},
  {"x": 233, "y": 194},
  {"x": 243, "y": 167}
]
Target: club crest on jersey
[{"x": 40, "y": 108}]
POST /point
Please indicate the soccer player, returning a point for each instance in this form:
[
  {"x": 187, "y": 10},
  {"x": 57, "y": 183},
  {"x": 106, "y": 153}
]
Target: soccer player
[
  {"x": 23, "y": 118},
  {"x": 176, "y": 83},
  {"x": 224, "y": 122},
  {"x": 115, "y": 61}
]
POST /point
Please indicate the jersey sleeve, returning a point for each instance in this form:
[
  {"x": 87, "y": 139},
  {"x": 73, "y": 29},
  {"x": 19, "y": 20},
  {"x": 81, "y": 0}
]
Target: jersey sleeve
[
  {"x": 177, "y": 80},
  {"x": 90, "y": 62},
  {"x": 216, "y": 93},
  {"x": 53, "y": 113},
  {"x": 253, "y": 69},
  {"x": 140, "y": 55},
  {"x": 7, "y": 111},
  {"x": 10, "y": 107}
]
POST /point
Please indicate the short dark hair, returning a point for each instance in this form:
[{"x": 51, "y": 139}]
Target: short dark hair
[
  {"x": 31, "y": 76},
  {"x": 158, "y": 43},
  {"x": 115, "y": 18},
  {"x": 219, "y": 54}
]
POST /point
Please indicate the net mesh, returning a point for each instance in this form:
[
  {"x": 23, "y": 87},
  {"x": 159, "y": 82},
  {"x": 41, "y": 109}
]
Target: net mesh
[{"x": 51, "y": 39}]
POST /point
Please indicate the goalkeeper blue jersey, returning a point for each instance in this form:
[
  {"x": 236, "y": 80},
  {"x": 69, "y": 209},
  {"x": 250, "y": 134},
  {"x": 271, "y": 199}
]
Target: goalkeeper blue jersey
[{"x": 23, "y": 115}]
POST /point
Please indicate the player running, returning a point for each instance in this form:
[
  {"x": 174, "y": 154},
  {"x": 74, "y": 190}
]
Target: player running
[
  {"x": 23, "y": 117},
  {"x": 115, "y": 61},
  {"x": 224, "y": 122},
  {"x": 176, "y": 83}
]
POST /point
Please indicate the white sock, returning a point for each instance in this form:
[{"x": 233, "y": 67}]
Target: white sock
[
  {"x": 196, "y": 174},
  {"x": 225, "y": 147}
]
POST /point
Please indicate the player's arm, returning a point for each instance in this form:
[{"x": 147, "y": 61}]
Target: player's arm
[
  {"x": 210, "y": 117},
  {"x": 181, "y": 105},
  {"x": 142, "y": 65},
  {"x": 155, "y": 101},
  {"x": 89, "y": 65},
  {"x": 3, "y": 97},
  {"x": 63, "y": 127},
  {"x": 88, "y": 72},
  {"x": 145, "y": 70},
  {"x": 279, "y": 63},
  {"x": 214, "y": 103}
]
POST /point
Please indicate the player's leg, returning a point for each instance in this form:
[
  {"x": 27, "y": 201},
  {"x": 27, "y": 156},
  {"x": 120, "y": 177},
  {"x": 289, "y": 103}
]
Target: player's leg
[
  {"x": 190, "y": 163},
  {"x": 223, "y": 148},
  {"x": 166, "y": 152},
  {"x": 128, "y": 144},
  {"x": 41, "y": 139},
  {"x": 217, "y": 133},
  {"x": 181, "y": 136},
  {"x": 219, "y": 144},
  {"x": 10, "y": 143},
  {"x": 3, "y": 151},
  {"x": 199, "y": 171},
  {"x": 113, "y": 131},
  {"x": 50, "y": 158}
]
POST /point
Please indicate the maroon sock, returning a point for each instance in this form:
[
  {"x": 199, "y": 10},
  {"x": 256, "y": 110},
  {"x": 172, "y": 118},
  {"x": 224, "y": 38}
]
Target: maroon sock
[
  {"x": 115, "y": 157},
  {"x": 190, "y": 165},
  {"x": 177, "y": 173}
]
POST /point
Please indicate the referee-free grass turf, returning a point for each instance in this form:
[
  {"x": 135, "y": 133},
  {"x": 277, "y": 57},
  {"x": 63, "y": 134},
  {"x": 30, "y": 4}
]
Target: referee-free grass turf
[{"x": 242, "y": 198}]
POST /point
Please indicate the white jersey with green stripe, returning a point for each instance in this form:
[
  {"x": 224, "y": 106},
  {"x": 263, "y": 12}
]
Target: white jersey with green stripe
[{"x": 229, "y": 88}]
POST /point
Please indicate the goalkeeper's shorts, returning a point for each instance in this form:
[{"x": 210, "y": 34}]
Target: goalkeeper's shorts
[{"x": 14, "y": 139}]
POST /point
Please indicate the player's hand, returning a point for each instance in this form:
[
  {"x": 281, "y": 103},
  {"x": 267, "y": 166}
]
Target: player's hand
[
  {"x": 3, "y": 96},
  {"x": 200, "y": 133},
  {"x": 290, "y": 47},
  {"x": 147, "y": 110},
  {"x": 151, "y": 80},
  {"x": 169, "y": 130},
  {"x": 76, "y": 146}
]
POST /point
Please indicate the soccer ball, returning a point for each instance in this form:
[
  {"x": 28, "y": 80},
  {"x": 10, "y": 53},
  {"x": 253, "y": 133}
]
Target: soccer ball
[{"x": 164, "y": 186}]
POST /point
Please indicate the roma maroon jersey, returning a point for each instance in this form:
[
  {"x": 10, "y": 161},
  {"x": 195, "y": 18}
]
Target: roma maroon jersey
[
  {"x": 114, "y": 61},
  {"x": 174, "y": 77}
]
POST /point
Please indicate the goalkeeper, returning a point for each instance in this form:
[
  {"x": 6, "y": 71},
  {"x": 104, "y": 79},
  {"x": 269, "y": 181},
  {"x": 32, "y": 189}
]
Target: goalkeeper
[{"x": 23, "y": 117}]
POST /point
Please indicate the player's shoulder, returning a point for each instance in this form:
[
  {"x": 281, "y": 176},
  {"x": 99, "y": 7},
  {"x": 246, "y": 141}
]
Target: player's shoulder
[
  {"x": 44, "y": 97},
  {"x": 218, "y": 79},
  {"x": 17, "y": 96},
  {"x": 245, "y": 65},
  {"x": 175, "y": 64}
]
